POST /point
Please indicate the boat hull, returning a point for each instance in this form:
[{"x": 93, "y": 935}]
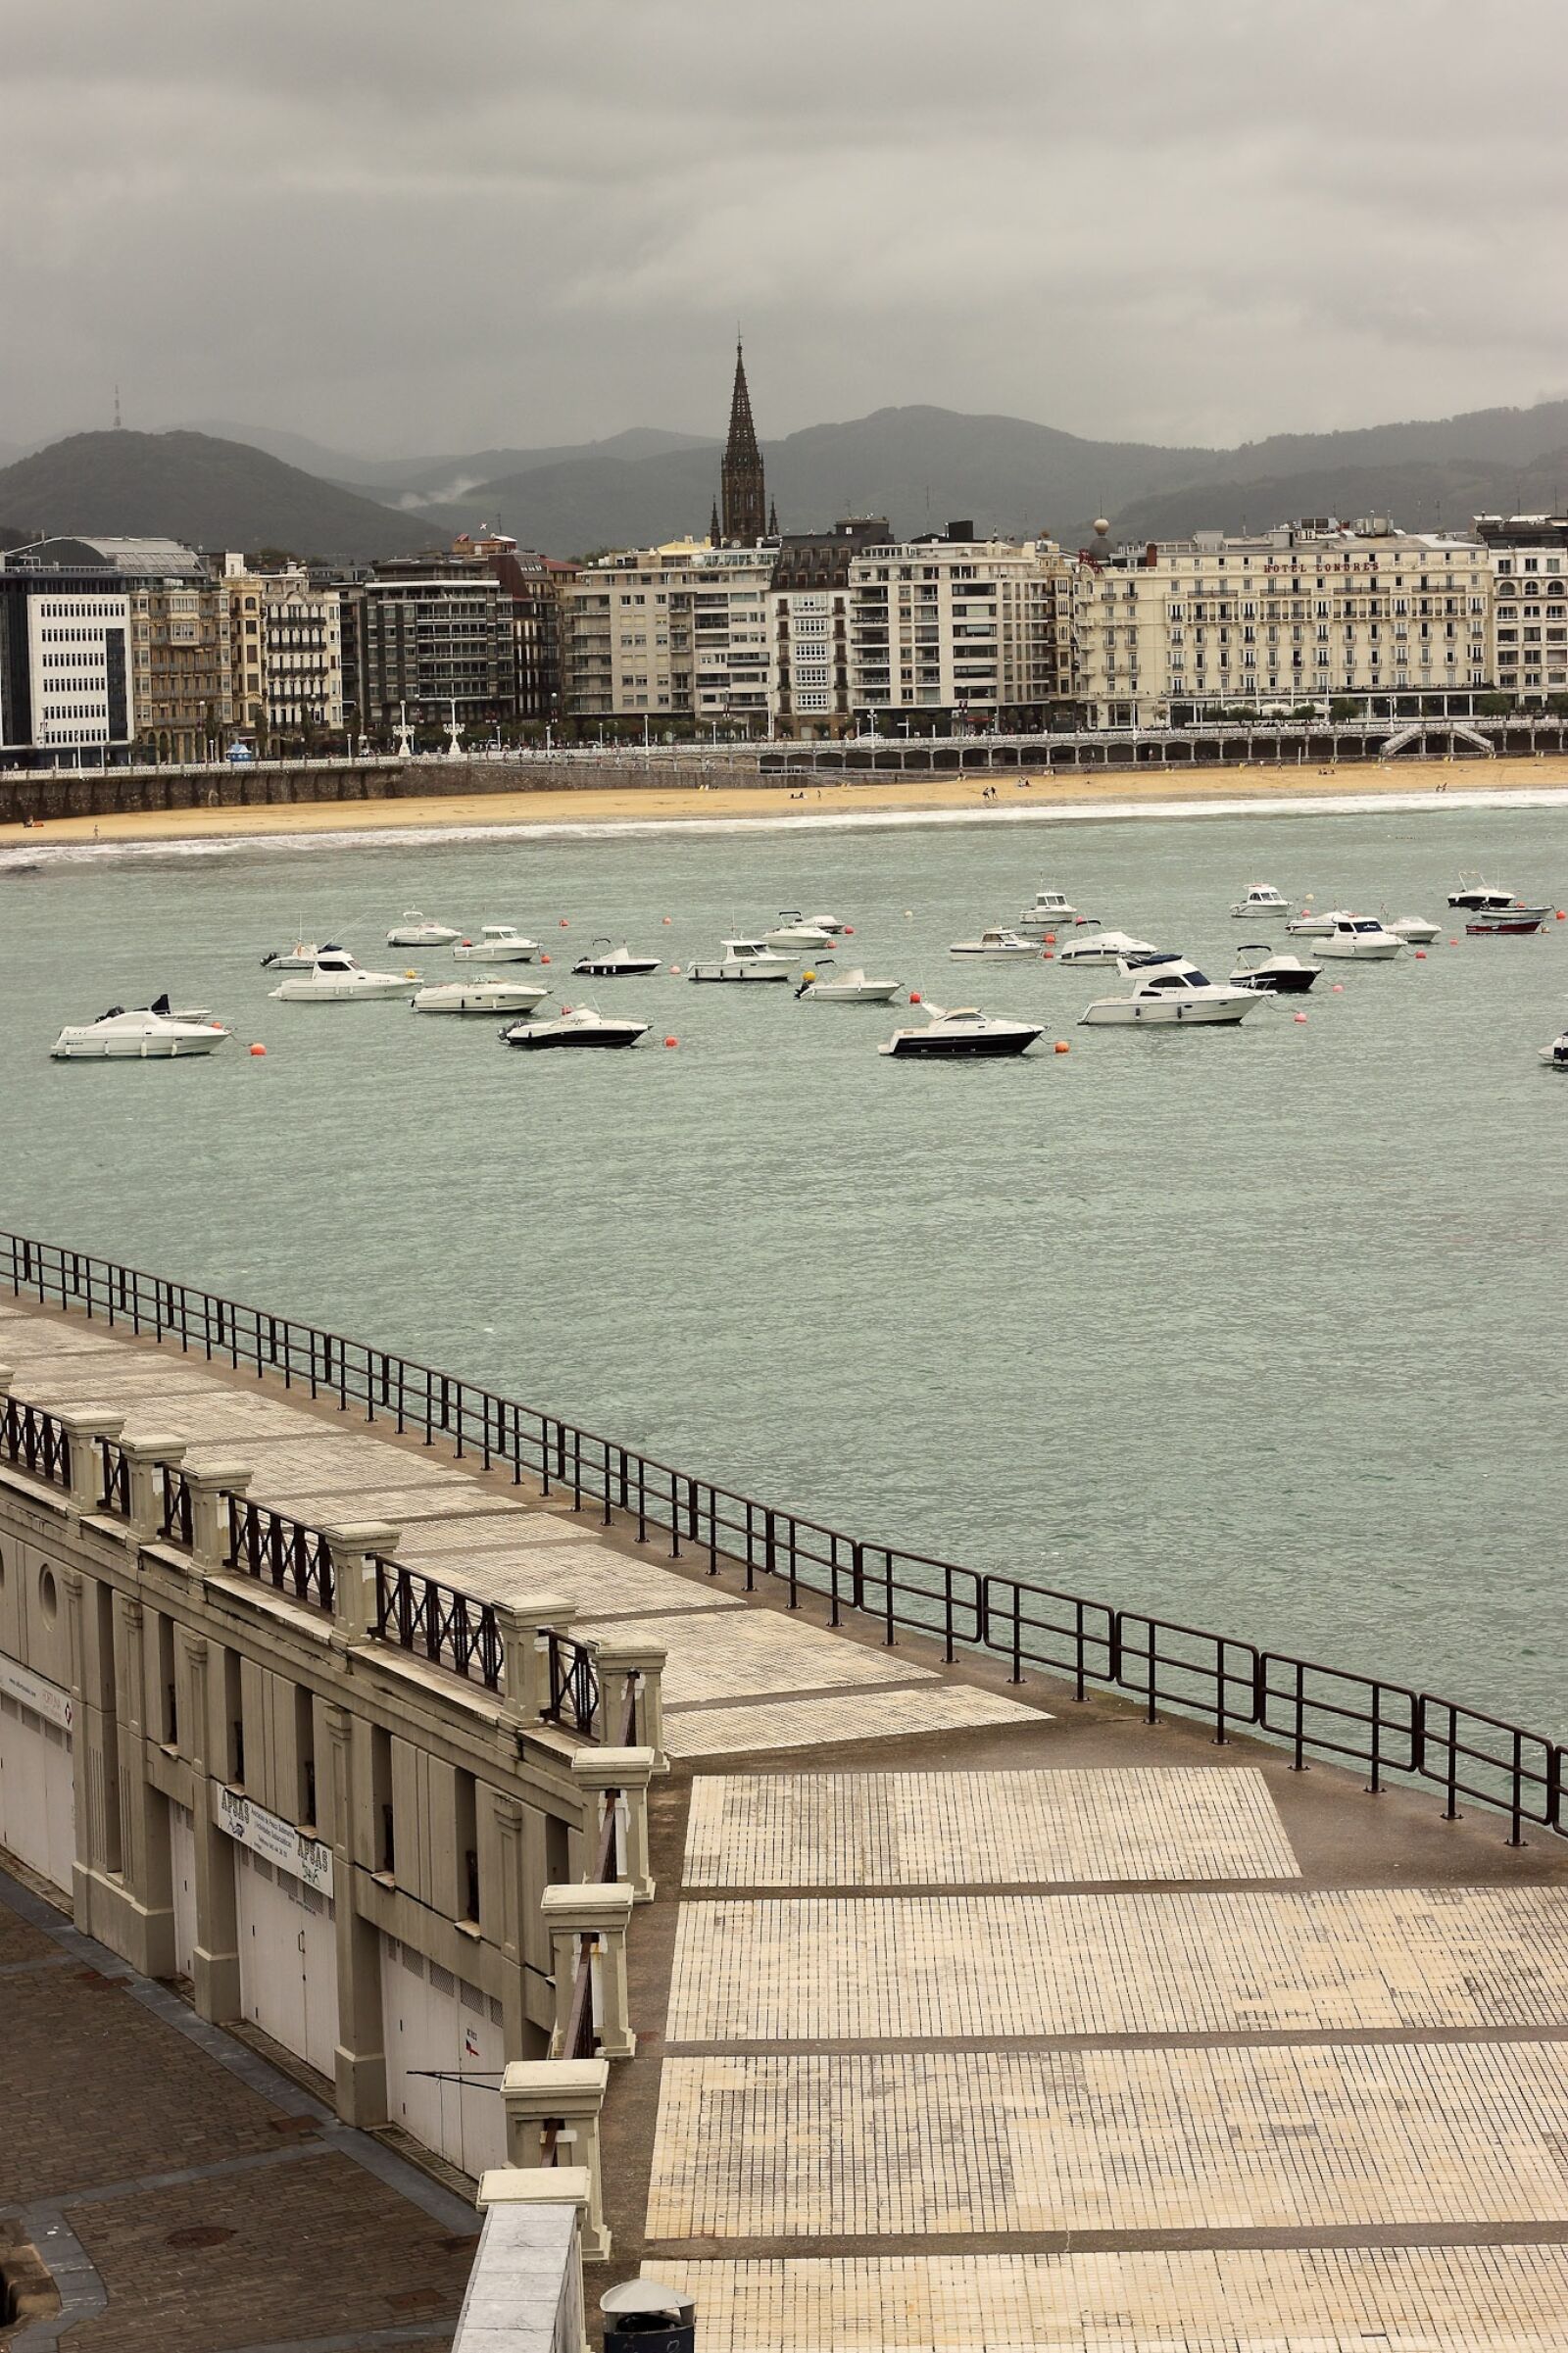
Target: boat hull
[
  {"x": 291, "y": 993},
  {"x": 513, "y": 952},
  {"x": 741, "y": 972},
  {"x": 1165, "y": 1013},
  {"x": 960, "y": 1050},
  {"x": 479, "y": 1000},
  {"x": 611, "y": 1034},
  {"x": 1518, "y": 928},
  {"x": 636, "y": 968},
  {"x": 1360, "y": 952},
  {"x": 1275, "y": 984},
  {"x": 873, "y": 993},
  {"x": 134, "y": 1050}
]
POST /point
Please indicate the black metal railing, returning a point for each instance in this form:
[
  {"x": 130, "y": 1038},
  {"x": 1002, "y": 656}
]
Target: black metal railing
[
  {"x": 436, "y": 1622},
  {"x": 1385, "y": 1730},
  {"x": 176, "y": 1525},
  {"x": 280, "y": 1551},
  {"x": 114, "y": 1488},
  {"x": 35, "y": 1442},
  {"x": 573, "y": 1700}
]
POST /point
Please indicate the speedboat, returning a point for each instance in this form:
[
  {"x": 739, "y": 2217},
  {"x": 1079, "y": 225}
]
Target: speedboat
[
  {"x": 1103, "y": 947},
  {"x": 485, "y": 993},
  {"x": 1262, "y": 898},
  {"x": 301, "y": 958},
  {"x": 964, "y": 1032},
  {"x": 745, "y": 960},
  {"x": 1361, "y": 937},
  {"x": 1166, "y": 987},
  {"x": 335, "y": 978},
  {"x": 582, "y": 1026},
  {"x": 1310, "y": 926},
  {"x": 1276, "y": 975},
  {"x": 998, "y": 944},
  {"x": 1556, "y": 1055},
  {"x": 1475, "y": 894},
  {"x": 1050, "y": 908},
  {"x": 497, "y": 944},
  {"x": 1416, "y": 929},
  {"x": 416, "y": 930},
  {"x": 846, "y": 988},
  {"x": 794, "y": 931},
  {"x": 833, "y": 924},
  {"x": 605, "y": 962},
  {"x": 148, "y": 1033},
  {"x": 1514, "y": 918}
]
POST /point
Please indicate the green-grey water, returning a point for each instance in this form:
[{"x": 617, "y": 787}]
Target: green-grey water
[{"x": 1257, "y": 1330}]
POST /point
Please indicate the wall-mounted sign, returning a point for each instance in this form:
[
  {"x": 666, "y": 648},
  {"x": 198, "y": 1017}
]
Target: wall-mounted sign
[
  {"x": 276, "y": 1840},
  {"x": 34, "y": 1691}
]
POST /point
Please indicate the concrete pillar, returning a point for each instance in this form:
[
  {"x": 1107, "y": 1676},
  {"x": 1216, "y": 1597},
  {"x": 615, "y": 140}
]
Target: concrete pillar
[
  {"x": 73, "y": 1583},
  {"x": 144, "y": 1900},
  {"x": 525, "y": 1653},
  {"x": 86, "y": 1464},
  {"x": 354, "y": 1547},
  {"x": 210, "y": 1491},
  {"x": 214, "y": 1961},
  {"x": 620, "y": 1777},
  {"x": 145, "y": 1458},
  {"x": 359, "y": 2059},
  {"x": 600, "y": 1911},
  {"x": 571, "y": 2094},
  {"x": 625, "y": 1664},
  {"x": 547, "y": 2185}
]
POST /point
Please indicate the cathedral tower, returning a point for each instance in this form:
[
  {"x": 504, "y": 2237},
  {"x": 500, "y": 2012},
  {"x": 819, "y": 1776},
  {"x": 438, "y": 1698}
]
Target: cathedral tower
[{"x": 744, "y": 494}]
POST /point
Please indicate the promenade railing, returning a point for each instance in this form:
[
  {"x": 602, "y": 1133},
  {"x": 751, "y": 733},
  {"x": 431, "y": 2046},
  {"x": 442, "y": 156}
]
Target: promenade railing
[{"x": 1392, "y": 1732}]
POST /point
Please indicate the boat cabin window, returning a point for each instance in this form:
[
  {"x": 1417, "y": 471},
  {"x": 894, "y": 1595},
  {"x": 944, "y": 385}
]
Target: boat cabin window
[{"x": 1369, "y": 925}]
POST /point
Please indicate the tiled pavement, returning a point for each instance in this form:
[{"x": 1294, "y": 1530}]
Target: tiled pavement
[{"x": 964, "y": 2025}]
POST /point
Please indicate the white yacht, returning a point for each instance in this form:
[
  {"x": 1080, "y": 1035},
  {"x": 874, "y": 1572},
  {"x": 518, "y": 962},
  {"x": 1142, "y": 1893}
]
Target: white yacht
[
  {"x": 1556, "y": 1055},
  {"x": 745, "y": 960},
  {"x": 301, "y": 958},
  {"x": 1416, "y": 929},
  {"x": 1360, "y": 937},
  {"x": 1276, "y": 975},
  {"x": 146, "y": 1034},
  {"x": 1050, "y": 909},
  {"x": 1262, "y": 898},
  {"x": 963, "y": 1033},
  {"x": 845, "y": 988},
  {"x": 414, "y": 929},
  {"x": 1103, "y": 947},
  {"x": 794, "y": 931},
  {"x": 1166, "y": 987},
  {"x": 497, "y": 944},
  {"x": 485, "y": 993},
  {"x": 998, "y": 943},
  {"x": 336, "y": 978},
  {"x": 605, "y": 962},
  {"x": 1308, "y": 925},
  {"x": 581, "y": 1026}
]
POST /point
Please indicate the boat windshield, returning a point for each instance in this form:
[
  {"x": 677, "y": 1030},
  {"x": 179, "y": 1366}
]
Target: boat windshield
[{"x": 1370, "y": 924}]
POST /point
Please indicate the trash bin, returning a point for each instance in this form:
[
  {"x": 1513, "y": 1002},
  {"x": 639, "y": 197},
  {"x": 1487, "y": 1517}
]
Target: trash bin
[{"x": 643, "y": 2316}]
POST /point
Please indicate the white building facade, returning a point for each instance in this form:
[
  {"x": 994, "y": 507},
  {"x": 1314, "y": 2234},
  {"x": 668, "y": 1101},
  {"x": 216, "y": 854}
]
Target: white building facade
[
  {"x": 974, "y": 630},
  {"x": 78, "y": 673}
]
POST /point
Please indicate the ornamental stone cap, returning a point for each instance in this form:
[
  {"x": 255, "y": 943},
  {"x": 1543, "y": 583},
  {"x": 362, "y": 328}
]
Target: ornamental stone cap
[
  {"x": 539, "y": 1610},
  {"x": 366, "y": 1536},
  {"x": 588, "y": 1904},
  {"x": 102, "y": 1418},
  {"x": 557, "y": 2079},
  {"x": 220, "y": 1475},
  {"x": 533, "y": 2185},
  {"x": 154, "y": 1445},
  {"x": 614, "y": 1768},
  {"x": 621, "y": 1650}
]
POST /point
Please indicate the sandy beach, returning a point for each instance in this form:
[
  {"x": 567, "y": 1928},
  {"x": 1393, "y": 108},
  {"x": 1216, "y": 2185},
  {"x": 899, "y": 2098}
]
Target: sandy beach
[{"x": 1260, "y": 784}]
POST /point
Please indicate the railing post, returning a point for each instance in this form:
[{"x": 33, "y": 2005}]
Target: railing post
[
  {"x": 602, "y": 1911},
  {"x": 525, "y": 1653},
  {"x": 210, "y": 1491},
  {"x": 507, "y": 2185},
  {"x": 84, "y": 1430},
  {"x": 354, "y": 1545},
  {"x": 620, "y": 1777},
  {"x": 638, "y": 1667},
  {"x": 145, "y": 1458},
  {"x": 569, "y": 2093}
]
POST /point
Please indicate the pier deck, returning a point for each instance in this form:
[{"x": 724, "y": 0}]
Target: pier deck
[{"x": 972, "y": 2016}]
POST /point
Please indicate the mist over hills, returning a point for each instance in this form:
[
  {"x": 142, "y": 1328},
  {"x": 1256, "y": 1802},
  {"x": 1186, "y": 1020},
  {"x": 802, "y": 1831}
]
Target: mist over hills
[{"x": 919, "y": 466}]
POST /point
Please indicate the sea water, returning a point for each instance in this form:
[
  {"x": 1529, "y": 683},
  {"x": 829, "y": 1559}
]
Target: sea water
[{"x": 1256, "y": 1329}]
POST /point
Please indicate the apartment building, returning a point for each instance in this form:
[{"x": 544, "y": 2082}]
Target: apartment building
[
  {"x": 535, "y": 586},
  {"x": 808, "y": 672},
  {"x": 65, "y": 657},
  {"x": 679, "y": 631},
  {"x": 1314, "y": 612},
  {"x": 1529, "y": 563},
  {"x": 957, "y": 630},
  {"x": 285, "y": 650},
  {"x": 430, "y": 633}
]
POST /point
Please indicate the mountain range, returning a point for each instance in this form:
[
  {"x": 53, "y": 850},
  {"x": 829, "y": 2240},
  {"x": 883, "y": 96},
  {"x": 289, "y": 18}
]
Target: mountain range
[{"x": 249, "y": 487}]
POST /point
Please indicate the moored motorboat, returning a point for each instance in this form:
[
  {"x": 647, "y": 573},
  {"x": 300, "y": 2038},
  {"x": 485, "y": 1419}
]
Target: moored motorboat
[
  {"x": 1473, "y": 895},
  {"x": 143, "y": 1034},
  {"x": 745, "y": 960},
  {"x": 832, "y": 924},
  {"x": 415, "y": 929},
  {"x": 1103, "y": 947},
  {"x": 497, "y": 944},
  {"x": 605, "y": 962},
  {"x": 339, "y": 978},
  {"x": 1518, "y": 920},
  {"x": 961, "y": 1034},
  {"x": 998, "y": 943},
  {"x": 1416, "y": 929},
  {"x": 1308, "y": 925},
  {"x": 1167, "y": 988},
  {"x": 1049, "y": 913},
  {"x": 1556, "y": 1055},
  {"x": 794, "y": 931},
  {"x": 852, "y": 987},
  {"x": 1275, "y": 975},
  {"x": 485, "y": 993},
  {"x": 581, "y": 1026},
  {"x": 1262, "y": 898},
  {"x": 301, "y": 958},
  {"x": 1361, "y": 938}
]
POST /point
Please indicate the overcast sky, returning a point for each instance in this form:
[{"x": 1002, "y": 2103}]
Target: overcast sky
[{"x": 405, "y": 225}]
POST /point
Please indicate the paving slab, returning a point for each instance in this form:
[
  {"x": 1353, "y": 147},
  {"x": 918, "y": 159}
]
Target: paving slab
[{"x": 821, "y": 1723}]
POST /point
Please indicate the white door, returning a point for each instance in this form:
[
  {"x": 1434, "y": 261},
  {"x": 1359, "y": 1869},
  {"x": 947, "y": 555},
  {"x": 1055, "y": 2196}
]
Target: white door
[
  {"x": 182, "y": 1870},
  {"x": 444, "y": 2057},
  {"x": 320, "y": 1950},
  {"x": 38, "y": 1794},
  {"x": 272, "y": 1952}
]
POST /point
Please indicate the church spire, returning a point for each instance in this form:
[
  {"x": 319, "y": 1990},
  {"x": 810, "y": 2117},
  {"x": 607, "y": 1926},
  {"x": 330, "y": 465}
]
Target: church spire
[{"x": 744, "y": 492}]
